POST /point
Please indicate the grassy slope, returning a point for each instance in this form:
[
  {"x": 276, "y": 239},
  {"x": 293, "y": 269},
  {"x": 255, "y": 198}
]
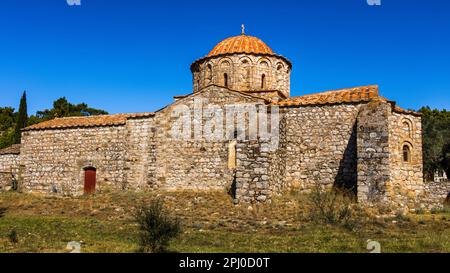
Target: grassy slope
[{"x": 104, "y": 223}]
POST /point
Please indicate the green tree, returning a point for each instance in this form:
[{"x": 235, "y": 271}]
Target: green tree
[
  {"x": 12, "y": 122},
  {"x": 446, "y": 161},
  {"x": 63, "y": 108},
  {"x": 7, "y": 118},
  {"x": 22, "y": 118},
  {"x": 7, "y": 123},
  {"x": 436, "y": 140}
]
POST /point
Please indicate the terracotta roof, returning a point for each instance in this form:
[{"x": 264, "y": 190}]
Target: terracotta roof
[
  {"x": 91, "y": 121},
  {"x": 11, "y": 150},
  {"x": 241, "y": 44},
  {"x": 349, "y": 95},
  {"x": 400, "y": 110},
  {"x": 259, "y": 92},
  {"x": 245, "y": 93}
]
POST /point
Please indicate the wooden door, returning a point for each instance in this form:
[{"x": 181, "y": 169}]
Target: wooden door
[{"x": 90, "y": 179}]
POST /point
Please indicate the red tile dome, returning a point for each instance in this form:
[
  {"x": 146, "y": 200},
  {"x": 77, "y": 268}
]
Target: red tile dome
[{"x": 241, "y": 44}]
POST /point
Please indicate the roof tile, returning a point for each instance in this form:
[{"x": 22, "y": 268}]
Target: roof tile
[
  {"x": 91, "y": 121},
  {"x": 241, "y": 44},
  {"x": 349, "y": 95}
]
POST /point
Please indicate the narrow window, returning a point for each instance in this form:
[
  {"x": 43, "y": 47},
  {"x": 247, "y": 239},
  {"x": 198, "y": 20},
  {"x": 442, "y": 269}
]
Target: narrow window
[
  {"x": 406, "y": 153},
  {"x": 263, "y": 81},
  {"x": 208, "y": 75},
  {"x": 232, "y": 159},
  {"x": 225, "y": 80}
]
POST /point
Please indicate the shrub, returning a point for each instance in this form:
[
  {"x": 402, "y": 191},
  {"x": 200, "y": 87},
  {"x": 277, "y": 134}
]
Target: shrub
[
  {"x": 420, "y": 211},
  {"x": 157, "y": 227},
  {"x": 2, "y": 211},
  {"x": 443, "y": 210},
  {"x": 13, "y": 238},
  {"x": 335, "y": 207}
]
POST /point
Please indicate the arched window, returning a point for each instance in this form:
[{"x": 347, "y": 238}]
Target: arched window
[
  {"x": 406, "y": 153},
  {"x": 407, "y": 128},
  {"x": 225, "y": 64},
  {"x": 280, "y": 67},
  {"x": 225, "y": 80},
  {"x": 263, "y": 81},
  {"x": 208, "y": 75},
  {"x": 264, "y": 64}
]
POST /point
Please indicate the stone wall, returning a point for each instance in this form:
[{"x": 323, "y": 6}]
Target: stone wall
[
  {"x": 435, "y": 195},
  {"x": 373, "y": 152},
  {"x": 356, "y": 146},
  {"x": 244, "y": 73},
  {"x": 199, "y": 162},
  {"x": 390, "y": 165},
  {"x": 141, "y": 153},
  {"x": 320, "y": 146},
  {"x": 9, "y": 169},
  {"x": 252, "y": 174},
  {"x": 405, "y": 132},
  {"x": 54, "y": 160}
]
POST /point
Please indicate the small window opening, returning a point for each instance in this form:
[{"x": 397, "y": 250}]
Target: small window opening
[
  {"x": 225, "y": 80},
  {"x": 406, "y": 153}
]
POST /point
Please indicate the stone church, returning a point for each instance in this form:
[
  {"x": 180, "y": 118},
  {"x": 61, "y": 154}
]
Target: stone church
[{"x": 352, "y": 138}]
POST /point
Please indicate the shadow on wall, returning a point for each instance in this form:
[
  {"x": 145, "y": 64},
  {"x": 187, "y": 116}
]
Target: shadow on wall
[
  {"x": 347, "y": 177},
  {"x": 233, "y": 188}
]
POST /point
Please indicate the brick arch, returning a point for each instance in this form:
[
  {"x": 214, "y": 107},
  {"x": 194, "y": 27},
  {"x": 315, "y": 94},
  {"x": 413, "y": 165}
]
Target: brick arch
[
  {"x": 208, "y": 74},
  {"x": 264, "y": 59},
  {"x": 406, "y": 122},
  {"x": 280, "y": 67},
  {"x": 245, "y": 58},
  {"x": 224, "y": 60},
  {"x": 407, "y": 145}
]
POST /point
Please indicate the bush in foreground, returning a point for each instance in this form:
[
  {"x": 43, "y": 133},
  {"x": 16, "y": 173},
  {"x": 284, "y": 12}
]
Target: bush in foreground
[
  {"x": 157, "y": 227},
  {"x": 334, "y": 207}
]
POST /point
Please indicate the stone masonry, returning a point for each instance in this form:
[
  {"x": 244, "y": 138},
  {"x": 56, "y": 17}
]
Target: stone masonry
[
  {"x": 350, "y": 138},
  {"x": 9, "y": 166}
]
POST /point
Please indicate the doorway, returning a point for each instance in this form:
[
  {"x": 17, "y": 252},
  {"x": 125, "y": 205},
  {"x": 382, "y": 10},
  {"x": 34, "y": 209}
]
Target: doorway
[{"x": 90, "y": 180}]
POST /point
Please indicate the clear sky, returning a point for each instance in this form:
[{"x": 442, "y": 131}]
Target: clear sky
[{"x": 134, "y": 55}]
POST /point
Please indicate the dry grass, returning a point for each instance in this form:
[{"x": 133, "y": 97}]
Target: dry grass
[{"x": 104, "y": 223}]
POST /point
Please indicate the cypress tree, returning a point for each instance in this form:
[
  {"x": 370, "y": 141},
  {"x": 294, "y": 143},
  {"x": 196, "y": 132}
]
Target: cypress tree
[{"x": 22, "y": 118}]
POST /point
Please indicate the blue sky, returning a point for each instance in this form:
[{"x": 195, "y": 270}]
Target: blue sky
[{"x": 134, "y": 55}]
